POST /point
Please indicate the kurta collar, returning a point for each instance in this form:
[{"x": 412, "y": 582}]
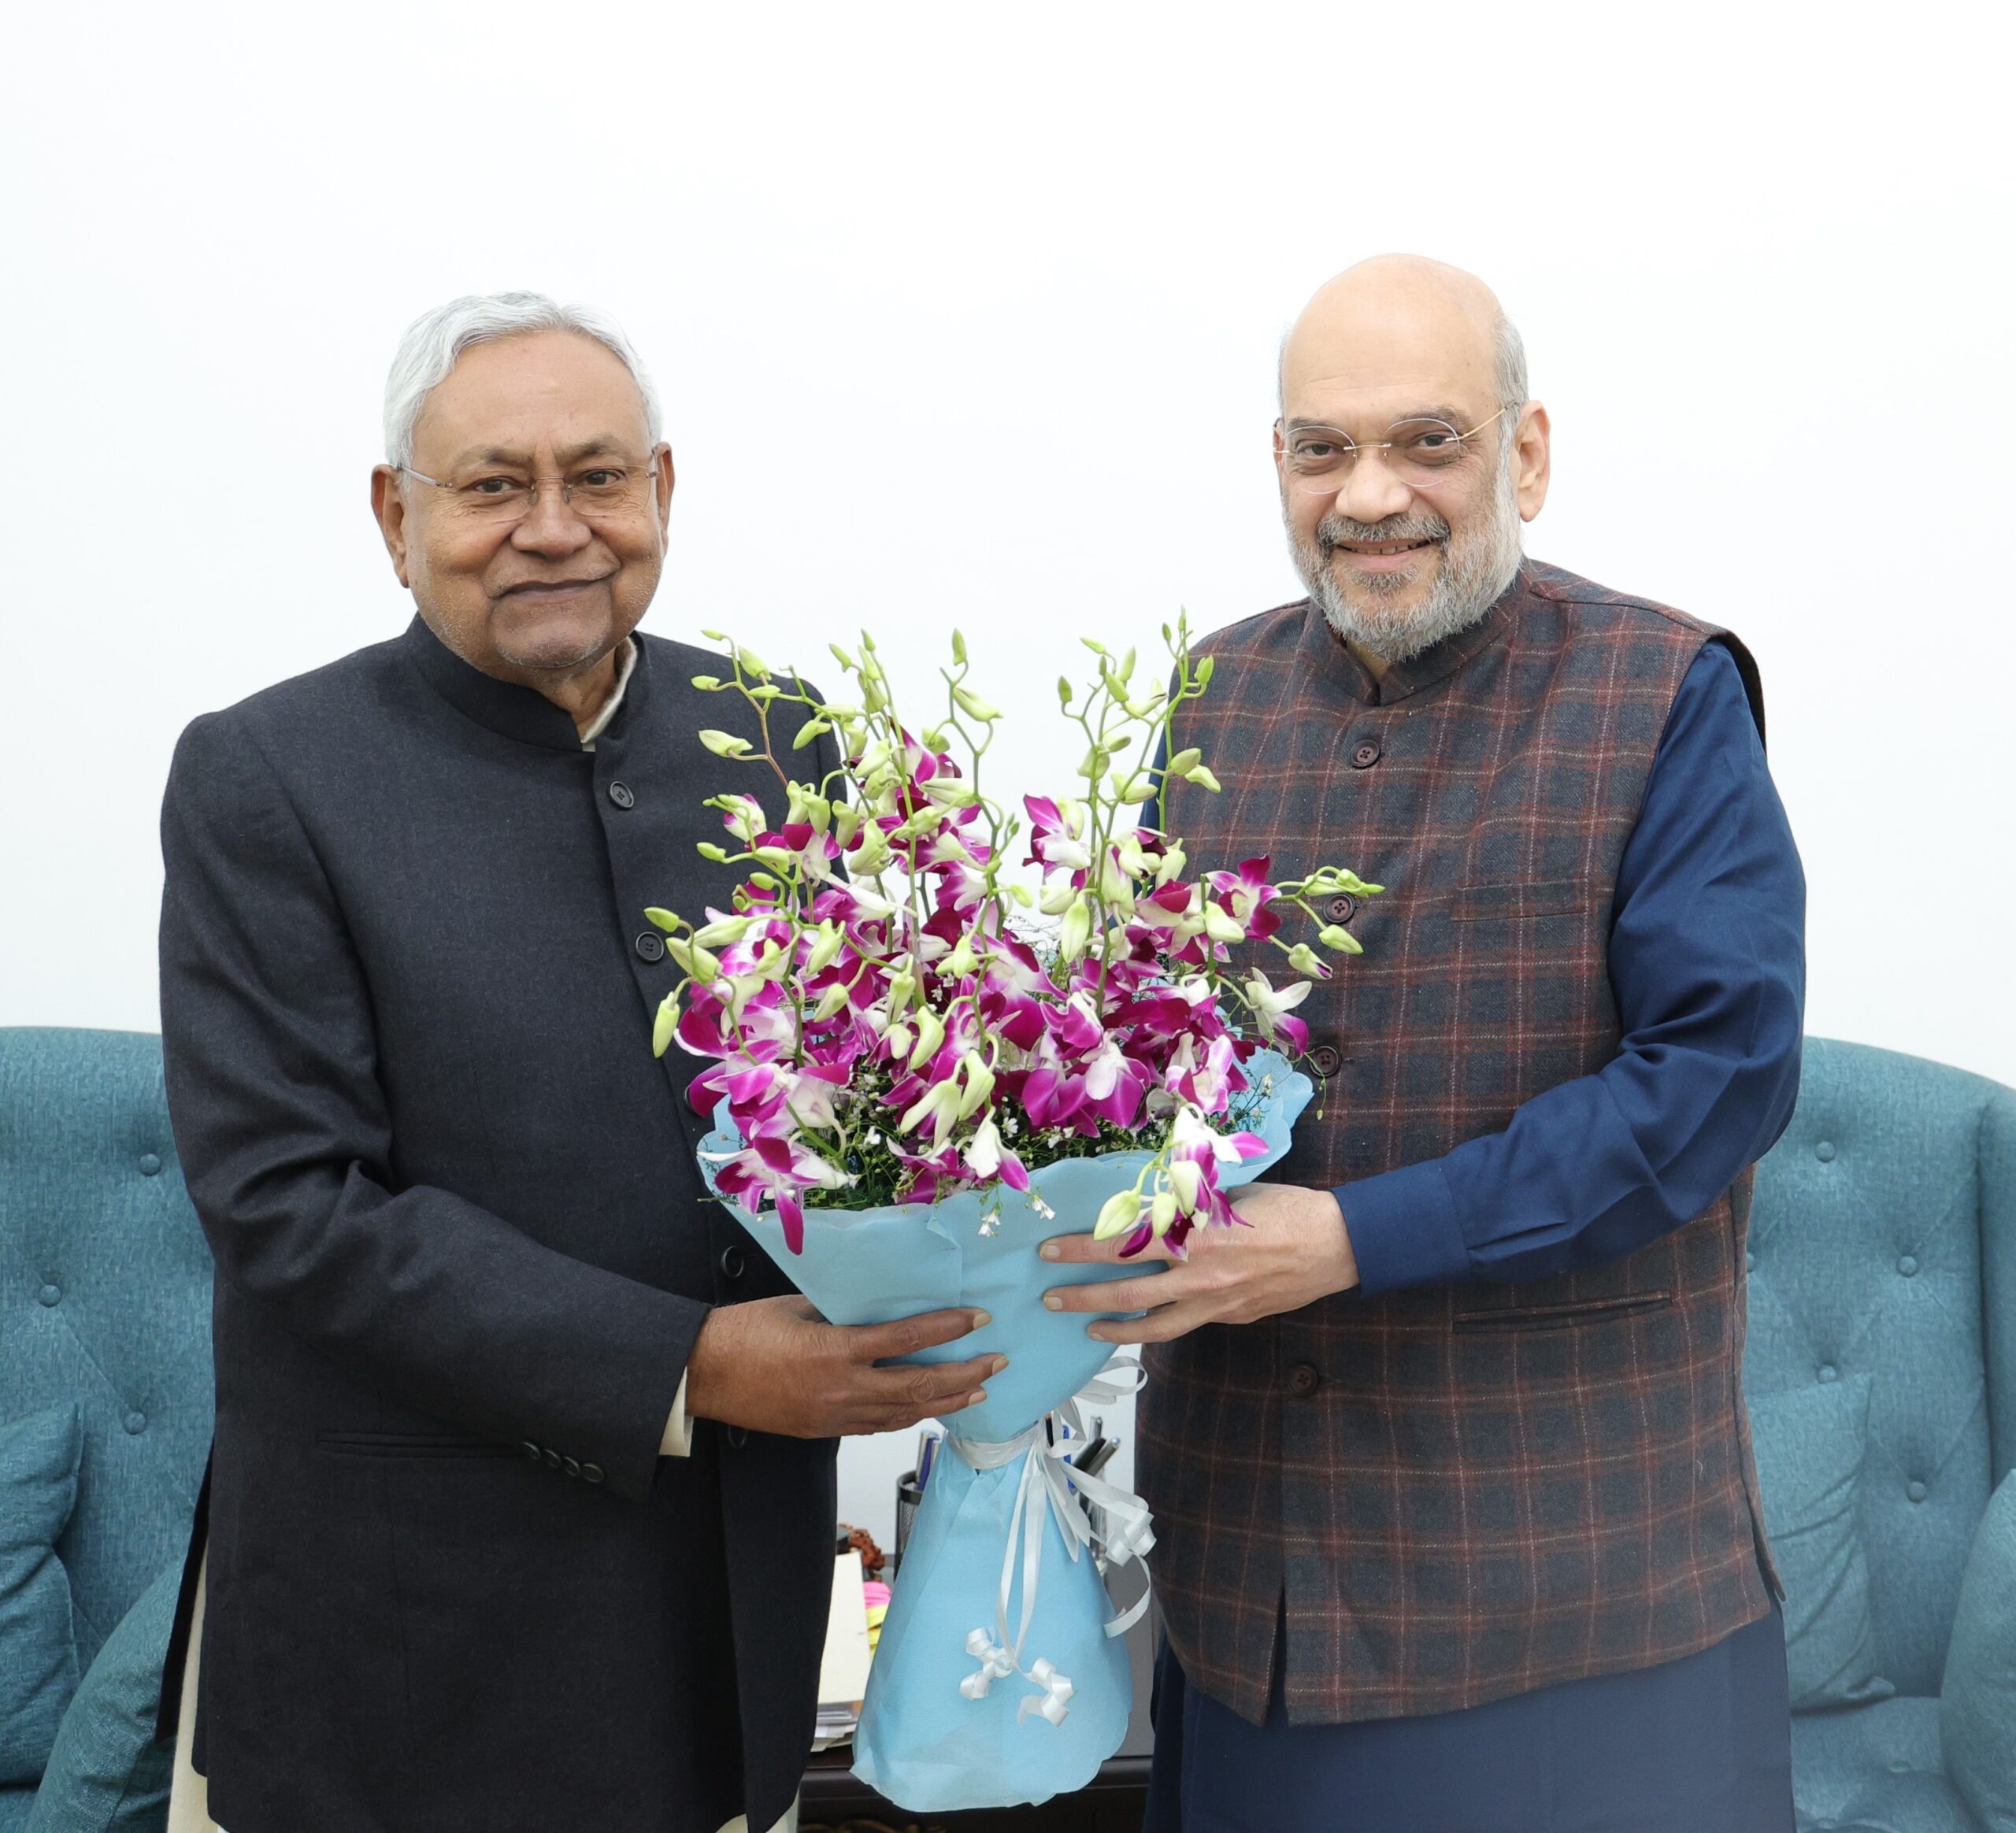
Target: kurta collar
[
  {"x": 1325, "y": 651},
  {"x": 503, "y": 707}
]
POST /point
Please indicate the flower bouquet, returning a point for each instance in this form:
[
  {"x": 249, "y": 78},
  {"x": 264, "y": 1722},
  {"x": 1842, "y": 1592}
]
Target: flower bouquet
[{"x": 922, "y": 1066}]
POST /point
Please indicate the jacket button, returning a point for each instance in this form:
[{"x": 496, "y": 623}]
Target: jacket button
[
  {"x": 552, "y": 1458},
  {"x": 530, "y": 1450},
  {"x": 731, "y": 1262},
  {"x": 1364, "y": 753},
  {"x": 651, "y": 945},
  {"x": 1327, "y": 1059},
  {"x": 50, "y": 1294},
  {"x": 591, "y": 1473},
  {"x": 1342, "y": 905},
  {"x": 619, "y": 793},
  {"x": 1303, "y": 1380},
  {"x": 149, "y": 1164},
  {"x": 738, "y": 1436},
  {"x": 572, "y": 1465},
  {"x": 1908, "y": 1266}
]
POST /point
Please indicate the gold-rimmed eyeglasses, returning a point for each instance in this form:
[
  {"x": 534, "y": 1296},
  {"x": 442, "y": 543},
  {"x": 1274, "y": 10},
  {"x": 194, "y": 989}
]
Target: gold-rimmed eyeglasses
[
  {"x": 604, "y": 489},
  {"x": 1420, "y": 452}
]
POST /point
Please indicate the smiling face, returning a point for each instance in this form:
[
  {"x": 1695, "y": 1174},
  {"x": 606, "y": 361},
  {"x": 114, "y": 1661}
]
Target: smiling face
[
  {"x": 1405, "y": 545},
  {"x": 545, "y": 598}
]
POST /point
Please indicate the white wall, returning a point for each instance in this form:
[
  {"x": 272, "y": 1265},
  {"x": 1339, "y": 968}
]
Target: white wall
[{"x": 968, "y": 314}]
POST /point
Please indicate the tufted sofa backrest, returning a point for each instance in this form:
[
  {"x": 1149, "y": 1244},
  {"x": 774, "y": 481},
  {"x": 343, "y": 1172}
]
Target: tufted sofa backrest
[
  {"x": 1883, "y": 1241},
  {"x": 105, "y": 1299}
]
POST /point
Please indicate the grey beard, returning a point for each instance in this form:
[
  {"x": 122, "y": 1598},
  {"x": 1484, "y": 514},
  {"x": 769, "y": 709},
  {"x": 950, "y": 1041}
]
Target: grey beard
[{"x": 1476, "y": 567}]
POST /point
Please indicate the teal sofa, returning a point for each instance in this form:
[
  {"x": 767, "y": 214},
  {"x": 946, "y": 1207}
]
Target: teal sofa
[
  {"x": 104, "y": 1302},
  {"x": 1883, "y": 1244}
]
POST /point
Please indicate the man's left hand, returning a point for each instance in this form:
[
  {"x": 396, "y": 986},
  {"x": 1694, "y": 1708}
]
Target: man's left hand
[{"x": 1288, "y": 1249}]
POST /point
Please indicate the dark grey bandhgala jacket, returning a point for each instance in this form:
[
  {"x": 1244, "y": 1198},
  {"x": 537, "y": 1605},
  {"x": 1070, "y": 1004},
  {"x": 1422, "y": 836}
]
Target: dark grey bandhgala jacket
[{"x": 462, "y": 1252}]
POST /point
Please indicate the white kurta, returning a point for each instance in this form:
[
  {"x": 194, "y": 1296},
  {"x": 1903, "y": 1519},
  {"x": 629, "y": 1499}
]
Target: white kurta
[{"x": 188, "y": 1804}]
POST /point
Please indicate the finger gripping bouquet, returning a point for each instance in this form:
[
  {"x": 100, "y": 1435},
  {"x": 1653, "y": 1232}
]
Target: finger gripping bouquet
[{"x": 927, "y": 1058}]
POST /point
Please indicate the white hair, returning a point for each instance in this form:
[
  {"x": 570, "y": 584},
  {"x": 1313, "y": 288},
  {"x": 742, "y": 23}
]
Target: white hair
[{"x": 434, "y": 339}]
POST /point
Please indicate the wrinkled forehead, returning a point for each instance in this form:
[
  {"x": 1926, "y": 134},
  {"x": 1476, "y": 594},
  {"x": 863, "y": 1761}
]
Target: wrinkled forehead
[
  {"x": 530, "y": 397},
  {"x": 1370, "y": 366}
]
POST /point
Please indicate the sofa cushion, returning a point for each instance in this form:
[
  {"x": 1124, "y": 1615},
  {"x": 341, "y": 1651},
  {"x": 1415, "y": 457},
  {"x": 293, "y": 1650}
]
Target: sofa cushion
[
  {"x": 15, "y": 1805},
  {"x": 1810, "y": 1449},
  {"x": 107, "y": 1774},
  {"x": 38, "y": 1638},
  {"x": 1977, "y": 1711}
]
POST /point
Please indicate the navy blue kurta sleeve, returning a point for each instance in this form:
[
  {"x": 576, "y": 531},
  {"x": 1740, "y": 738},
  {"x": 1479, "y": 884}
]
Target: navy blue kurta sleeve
[{"x": 1707, "y": 965}]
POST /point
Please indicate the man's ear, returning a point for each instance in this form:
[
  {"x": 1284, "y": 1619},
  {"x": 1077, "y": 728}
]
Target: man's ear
[
  {"x": 1533, "y": 464},
  {"x": 388, "y": 504},
  {"x": 661, "y": 463}
]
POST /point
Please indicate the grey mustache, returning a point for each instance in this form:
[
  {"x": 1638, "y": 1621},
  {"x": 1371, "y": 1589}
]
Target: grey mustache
[{"x": 1332, "y": 531}]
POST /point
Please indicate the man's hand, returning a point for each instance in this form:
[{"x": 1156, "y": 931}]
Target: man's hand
[
  {"x": 775, "y": 1365},
  {"x": 1295, "y": 1251}
]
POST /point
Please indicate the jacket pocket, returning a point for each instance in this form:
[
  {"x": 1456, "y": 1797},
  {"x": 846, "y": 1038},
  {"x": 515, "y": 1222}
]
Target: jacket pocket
[
  {"x": 1519, "y": 898},
  {"x": 412, "y": 1445},
  {"x": 1564, "y": 1316}
]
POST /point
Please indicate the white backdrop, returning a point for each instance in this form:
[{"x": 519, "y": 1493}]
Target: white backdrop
[{"x": 968, "y": 314}]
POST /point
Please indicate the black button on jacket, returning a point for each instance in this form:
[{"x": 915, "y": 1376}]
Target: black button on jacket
[{"x": 453, "y": 1202}]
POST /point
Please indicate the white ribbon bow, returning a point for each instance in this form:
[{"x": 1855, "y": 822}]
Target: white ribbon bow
[{"x": 1047, "y": 1474}]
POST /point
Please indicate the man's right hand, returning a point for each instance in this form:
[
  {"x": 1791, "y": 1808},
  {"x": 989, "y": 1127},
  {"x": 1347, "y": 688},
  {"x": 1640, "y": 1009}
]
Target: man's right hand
[{"x": 775, "y": 1365}]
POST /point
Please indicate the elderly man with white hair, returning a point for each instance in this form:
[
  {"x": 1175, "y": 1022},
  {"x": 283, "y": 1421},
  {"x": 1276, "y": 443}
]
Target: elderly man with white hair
[{"x": 519, "y": 1514}]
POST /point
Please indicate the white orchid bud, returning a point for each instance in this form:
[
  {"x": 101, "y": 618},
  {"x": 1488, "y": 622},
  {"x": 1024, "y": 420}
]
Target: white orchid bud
[
  {"x": 724, "y": 744},
  {"x": 729, "y": 929},
  {"x": 665, "y": 1025},
  {"x": 980, "y": 1084},
  {"x": 930, "y": 1035},
  {"x": 1221, "y": 925},
  {"x": 1059, "y": 894},
  {"x": 1075, "y": 934},
  {"x": 1122, "y": 1210}
]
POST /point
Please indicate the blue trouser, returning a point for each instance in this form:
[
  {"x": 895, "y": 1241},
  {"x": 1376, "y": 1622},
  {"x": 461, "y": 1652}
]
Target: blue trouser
[{"x": 1702, "y": 1745}]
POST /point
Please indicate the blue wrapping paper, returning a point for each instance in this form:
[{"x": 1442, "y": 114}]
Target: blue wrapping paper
[{"x": 920, "y": 1742}]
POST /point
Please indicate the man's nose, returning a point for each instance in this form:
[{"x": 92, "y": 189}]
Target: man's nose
[
  {"x": 1371, "y": 491},
  {"x": 551, "y": 526}
]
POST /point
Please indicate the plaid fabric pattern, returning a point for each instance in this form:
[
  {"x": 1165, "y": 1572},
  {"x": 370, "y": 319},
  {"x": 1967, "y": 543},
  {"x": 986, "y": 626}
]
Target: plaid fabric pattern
[{"x": 1453, "y": 1493}]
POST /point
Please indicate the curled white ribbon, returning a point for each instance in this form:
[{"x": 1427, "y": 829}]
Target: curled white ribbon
[{"x": 1047, "y": 1474}]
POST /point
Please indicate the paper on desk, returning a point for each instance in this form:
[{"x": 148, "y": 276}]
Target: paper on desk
[{"x": 843, "y": 1665}]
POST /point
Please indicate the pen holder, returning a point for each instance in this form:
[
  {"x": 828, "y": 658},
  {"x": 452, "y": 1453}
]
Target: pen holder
[{"x": 909, "y": 1495}]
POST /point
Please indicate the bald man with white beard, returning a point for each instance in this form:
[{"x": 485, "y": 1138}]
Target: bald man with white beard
[{"x": 1458, "y": 1521}]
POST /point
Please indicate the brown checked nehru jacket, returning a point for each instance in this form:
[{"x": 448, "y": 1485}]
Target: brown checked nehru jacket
[{"x": 1453, "y": 1493}]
